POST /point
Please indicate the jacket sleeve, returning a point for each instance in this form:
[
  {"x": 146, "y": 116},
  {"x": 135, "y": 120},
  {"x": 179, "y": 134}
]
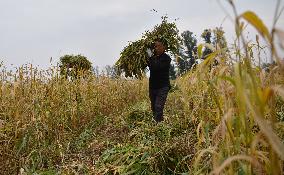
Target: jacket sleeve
[{"x": 148, "y": 62}]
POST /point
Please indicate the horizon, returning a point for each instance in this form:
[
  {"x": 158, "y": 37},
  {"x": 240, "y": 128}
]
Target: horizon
[{"x": 33, "y": 32}]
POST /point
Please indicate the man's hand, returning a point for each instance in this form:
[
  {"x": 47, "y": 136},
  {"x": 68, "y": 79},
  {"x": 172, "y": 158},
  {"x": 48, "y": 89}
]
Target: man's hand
[{"x": 149, "y": 52}]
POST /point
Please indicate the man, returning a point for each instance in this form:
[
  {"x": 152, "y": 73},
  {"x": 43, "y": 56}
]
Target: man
[{"x": 159, "y": 82}]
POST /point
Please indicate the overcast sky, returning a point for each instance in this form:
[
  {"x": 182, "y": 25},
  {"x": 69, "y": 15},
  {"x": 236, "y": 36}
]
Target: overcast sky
[{"x": 32, "y": 31}]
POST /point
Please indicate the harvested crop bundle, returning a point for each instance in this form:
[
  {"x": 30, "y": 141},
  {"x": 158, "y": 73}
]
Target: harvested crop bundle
[{"x": 133, "y": 58}]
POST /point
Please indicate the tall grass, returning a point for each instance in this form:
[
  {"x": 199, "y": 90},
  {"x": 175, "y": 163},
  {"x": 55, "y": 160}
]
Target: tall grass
[
  {"x": 42, "y": 117},
  {"x": 219, "y": 119},
  {"x": 238, "y": 103}
]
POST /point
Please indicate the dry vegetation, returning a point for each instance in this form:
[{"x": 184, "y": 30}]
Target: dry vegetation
[{"x": 222, "y": 119}]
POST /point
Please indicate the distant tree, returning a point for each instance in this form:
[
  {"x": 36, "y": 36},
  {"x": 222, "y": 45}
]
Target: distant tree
[
  {"x": 74, "y": 65},
  {"x": 219, "y": 40},
  {"x": 96, "y": 71},
  {"x": 189, "y": 41},
  {"x": 267, "y": 66},
  {"x": 183, "y": 64},
  {"x": 207, "y": 36},
  {"x": 173, "y": 74},
  {"x": 188, "y": 52},
  {"x": 111, "y": 71}
]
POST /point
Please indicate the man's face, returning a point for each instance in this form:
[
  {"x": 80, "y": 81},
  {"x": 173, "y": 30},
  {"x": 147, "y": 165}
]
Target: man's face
[{"x": 159, "y": 48}]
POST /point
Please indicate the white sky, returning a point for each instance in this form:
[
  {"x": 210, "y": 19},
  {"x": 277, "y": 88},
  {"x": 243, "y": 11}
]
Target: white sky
[{"x": 32, "y": 31}]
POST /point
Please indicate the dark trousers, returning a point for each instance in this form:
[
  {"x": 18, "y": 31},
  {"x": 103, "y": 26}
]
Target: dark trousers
[{"x": 158, "y": 99}]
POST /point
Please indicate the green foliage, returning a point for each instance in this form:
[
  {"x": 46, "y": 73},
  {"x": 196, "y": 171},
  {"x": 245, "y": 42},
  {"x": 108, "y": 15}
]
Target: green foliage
[
  {"x": 124, "y": 160},
  {"x": 219, "y": 39},
  {"x": 74, "y": 65},
  {"x": 189, "y": 56},
  {"x": 207, "y": 37},
  {"x": 172, "y": 72},
  {"x": 189, "y": 41},
  {"x": 138, "y": 114},
  {"x": 82, "y": 140},
  {"x": 133, "y": 59}
]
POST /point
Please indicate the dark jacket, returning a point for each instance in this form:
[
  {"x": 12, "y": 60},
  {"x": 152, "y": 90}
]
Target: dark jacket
[{"x": 159, "y": 71}]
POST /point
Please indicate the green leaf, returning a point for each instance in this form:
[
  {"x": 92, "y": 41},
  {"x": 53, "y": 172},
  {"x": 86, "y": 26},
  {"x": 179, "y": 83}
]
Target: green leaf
[
  {"x": 229, "y": 79},
  {"x": 199, "y": 50},
  {"x": 210, "y": 57}
]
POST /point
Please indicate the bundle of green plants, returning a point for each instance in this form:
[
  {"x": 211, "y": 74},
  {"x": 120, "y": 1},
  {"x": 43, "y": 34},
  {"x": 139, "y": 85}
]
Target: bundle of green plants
[{"x": 133, "y": 58}]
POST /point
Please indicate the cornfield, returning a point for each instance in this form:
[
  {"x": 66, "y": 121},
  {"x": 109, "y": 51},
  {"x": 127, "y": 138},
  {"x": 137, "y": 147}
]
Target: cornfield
[{"x": 219, "y": 119}]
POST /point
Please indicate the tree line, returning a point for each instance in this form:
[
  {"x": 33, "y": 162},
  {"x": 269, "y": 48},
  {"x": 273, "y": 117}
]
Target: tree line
[
  {"x": 75, "y": 65},
  {"x": 188, "y": 55}
]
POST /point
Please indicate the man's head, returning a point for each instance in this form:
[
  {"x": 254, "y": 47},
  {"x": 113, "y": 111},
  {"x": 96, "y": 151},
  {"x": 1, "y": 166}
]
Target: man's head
[{"x": 159, "y": 47}]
